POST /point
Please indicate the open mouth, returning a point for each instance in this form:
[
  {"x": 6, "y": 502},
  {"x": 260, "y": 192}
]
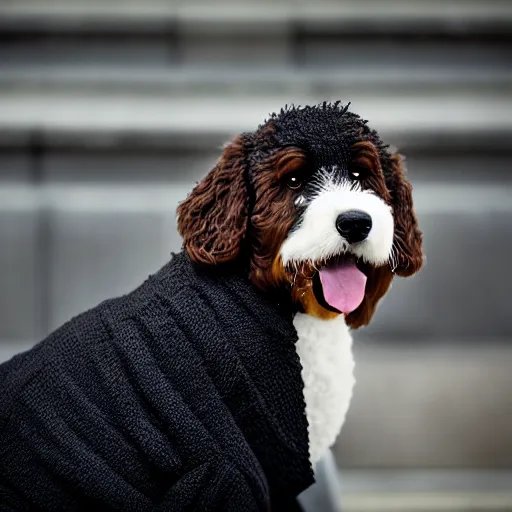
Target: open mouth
[{"x": 339, "y": 285}]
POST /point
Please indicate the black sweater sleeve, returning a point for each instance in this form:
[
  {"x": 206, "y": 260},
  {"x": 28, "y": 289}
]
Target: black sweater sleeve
[{"x": 115, "y": 411}]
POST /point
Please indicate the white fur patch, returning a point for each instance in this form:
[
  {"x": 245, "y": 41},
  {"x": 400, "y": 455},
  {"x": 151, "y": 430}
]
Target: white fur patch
[
  {"x": 325, "y": 351},
  {"x": 317, "y": 237}
]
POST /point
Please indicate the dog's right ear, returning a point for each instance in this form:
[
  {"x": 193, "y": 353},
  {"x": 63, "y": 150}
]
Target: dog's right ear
[
  {"x": 213, "y": 218},
  {"x": 408, "y": 237}
]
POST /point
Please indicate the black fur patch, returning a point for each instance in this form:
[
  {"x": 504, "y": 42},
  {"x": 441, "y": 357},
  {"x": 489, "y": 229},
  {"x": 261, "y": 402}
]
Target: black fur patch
[{"x": 326, "y": 132}]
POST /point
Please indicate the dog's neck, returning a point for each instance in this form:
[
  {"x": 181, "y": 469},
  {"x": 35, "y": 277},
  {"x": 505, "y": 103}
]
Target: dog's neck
[{"x": 325, "y": 351}]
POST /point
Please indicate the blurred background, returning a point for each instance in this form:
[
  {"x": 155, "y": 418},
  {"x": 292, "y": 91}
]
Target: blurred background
[{"x": 111, "y": 110}]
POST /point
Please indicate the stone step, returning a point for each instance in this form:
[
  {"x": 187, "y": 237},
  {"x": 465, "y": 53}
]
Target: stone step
[
  {"x": 435, "y": 490},
  {"x": 429, "y": 403},
  {"x": 351, "y": 77},
  {"x": 72, "y": 117},
  {"x": 456, "y": 16},
  {"x": 276, "y": 49},
  {"x": 450, "y": 35}
]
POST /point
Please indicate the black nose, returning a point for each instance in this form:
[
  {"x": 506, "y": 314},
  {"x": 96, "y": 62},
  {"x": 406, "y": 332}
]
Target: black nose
[{"x": 354, "y": 225}]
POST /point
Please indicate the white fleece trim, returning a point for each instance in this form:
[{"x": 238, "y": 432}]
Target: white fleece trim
[
  {"x": 317, "y": 237},
  {"x": 325, "y": 351}
]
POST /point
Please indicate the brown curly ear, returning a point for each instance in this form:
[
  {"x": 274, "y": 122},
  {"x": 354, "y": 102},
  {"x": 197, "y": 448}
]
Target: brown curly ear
[
  {"x": 213, "y": 218},
  {"x": 408, "y": 256}
]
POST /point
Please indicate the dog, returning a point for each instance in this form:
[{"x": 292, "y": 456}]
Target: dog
[
  {"x": 327, "y": 213},
  {"x": 222, "y": 380}
]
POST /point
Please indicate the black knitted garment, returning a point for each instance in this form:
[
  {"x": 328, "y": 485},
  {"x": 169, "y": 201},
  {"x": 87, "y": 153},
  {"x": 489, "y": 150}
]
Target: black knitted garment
[{"x": 184, "y": 395}]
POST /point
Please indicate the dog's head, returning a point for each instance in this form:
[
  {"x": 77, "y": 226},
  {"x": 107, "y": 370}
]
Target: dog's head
[{"x": 314, "y": 202}]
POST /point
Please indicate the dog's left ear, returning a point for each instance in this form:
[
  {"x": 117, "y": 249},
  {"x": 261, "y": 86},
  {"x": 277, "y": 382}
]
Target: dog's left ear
[
  {"x": 408, "y": 255},
  {"x": 213, "y": 218},
  {"x": 408, "y": 237}
]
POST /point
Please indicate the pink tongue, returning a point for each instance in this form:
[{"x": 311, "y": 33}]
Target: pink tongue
[{"x": 343, "y": 286}]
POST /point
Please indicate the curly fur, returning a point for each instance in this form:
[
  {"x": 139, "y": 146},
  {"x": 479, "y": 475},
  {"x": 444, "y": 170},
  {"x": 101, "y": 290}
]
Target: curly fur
[
  {"x": 213, "y": 219},
  {"x": 325, "y": 350}
]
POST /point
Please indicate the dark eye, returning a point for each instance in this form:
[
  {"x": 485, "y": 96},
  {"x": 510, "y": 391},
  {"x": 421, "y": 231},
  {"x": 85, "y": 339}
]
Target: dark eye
[
  {"x": 358, "y": 173},
  {"x": 294, "y": 182}
]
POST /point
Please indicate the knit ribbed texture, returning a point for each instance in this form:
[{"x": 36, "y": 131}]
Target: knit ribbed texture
[{"x": 184, "y": 395}]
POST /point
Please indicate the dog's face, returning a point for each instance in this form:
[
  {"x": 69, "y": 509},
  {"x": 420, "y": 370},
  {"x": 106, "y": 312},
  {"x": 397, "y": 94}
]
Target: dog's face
[{"x": 316, "y": 204}]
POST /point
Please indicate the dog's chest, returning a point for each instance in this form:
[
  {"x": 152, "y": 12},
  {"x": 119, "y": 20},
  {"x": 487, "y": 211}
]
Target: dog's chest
[{"x": 325, "y": 351}]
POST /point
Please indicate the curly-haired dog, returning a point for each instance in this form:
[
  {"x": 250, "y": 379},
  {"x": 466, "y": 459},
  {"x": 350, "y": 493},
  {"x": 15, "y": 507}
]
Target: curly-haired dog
[
  {"x": 324, "y": 210},
  {"x": 221, "y": 381}
]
